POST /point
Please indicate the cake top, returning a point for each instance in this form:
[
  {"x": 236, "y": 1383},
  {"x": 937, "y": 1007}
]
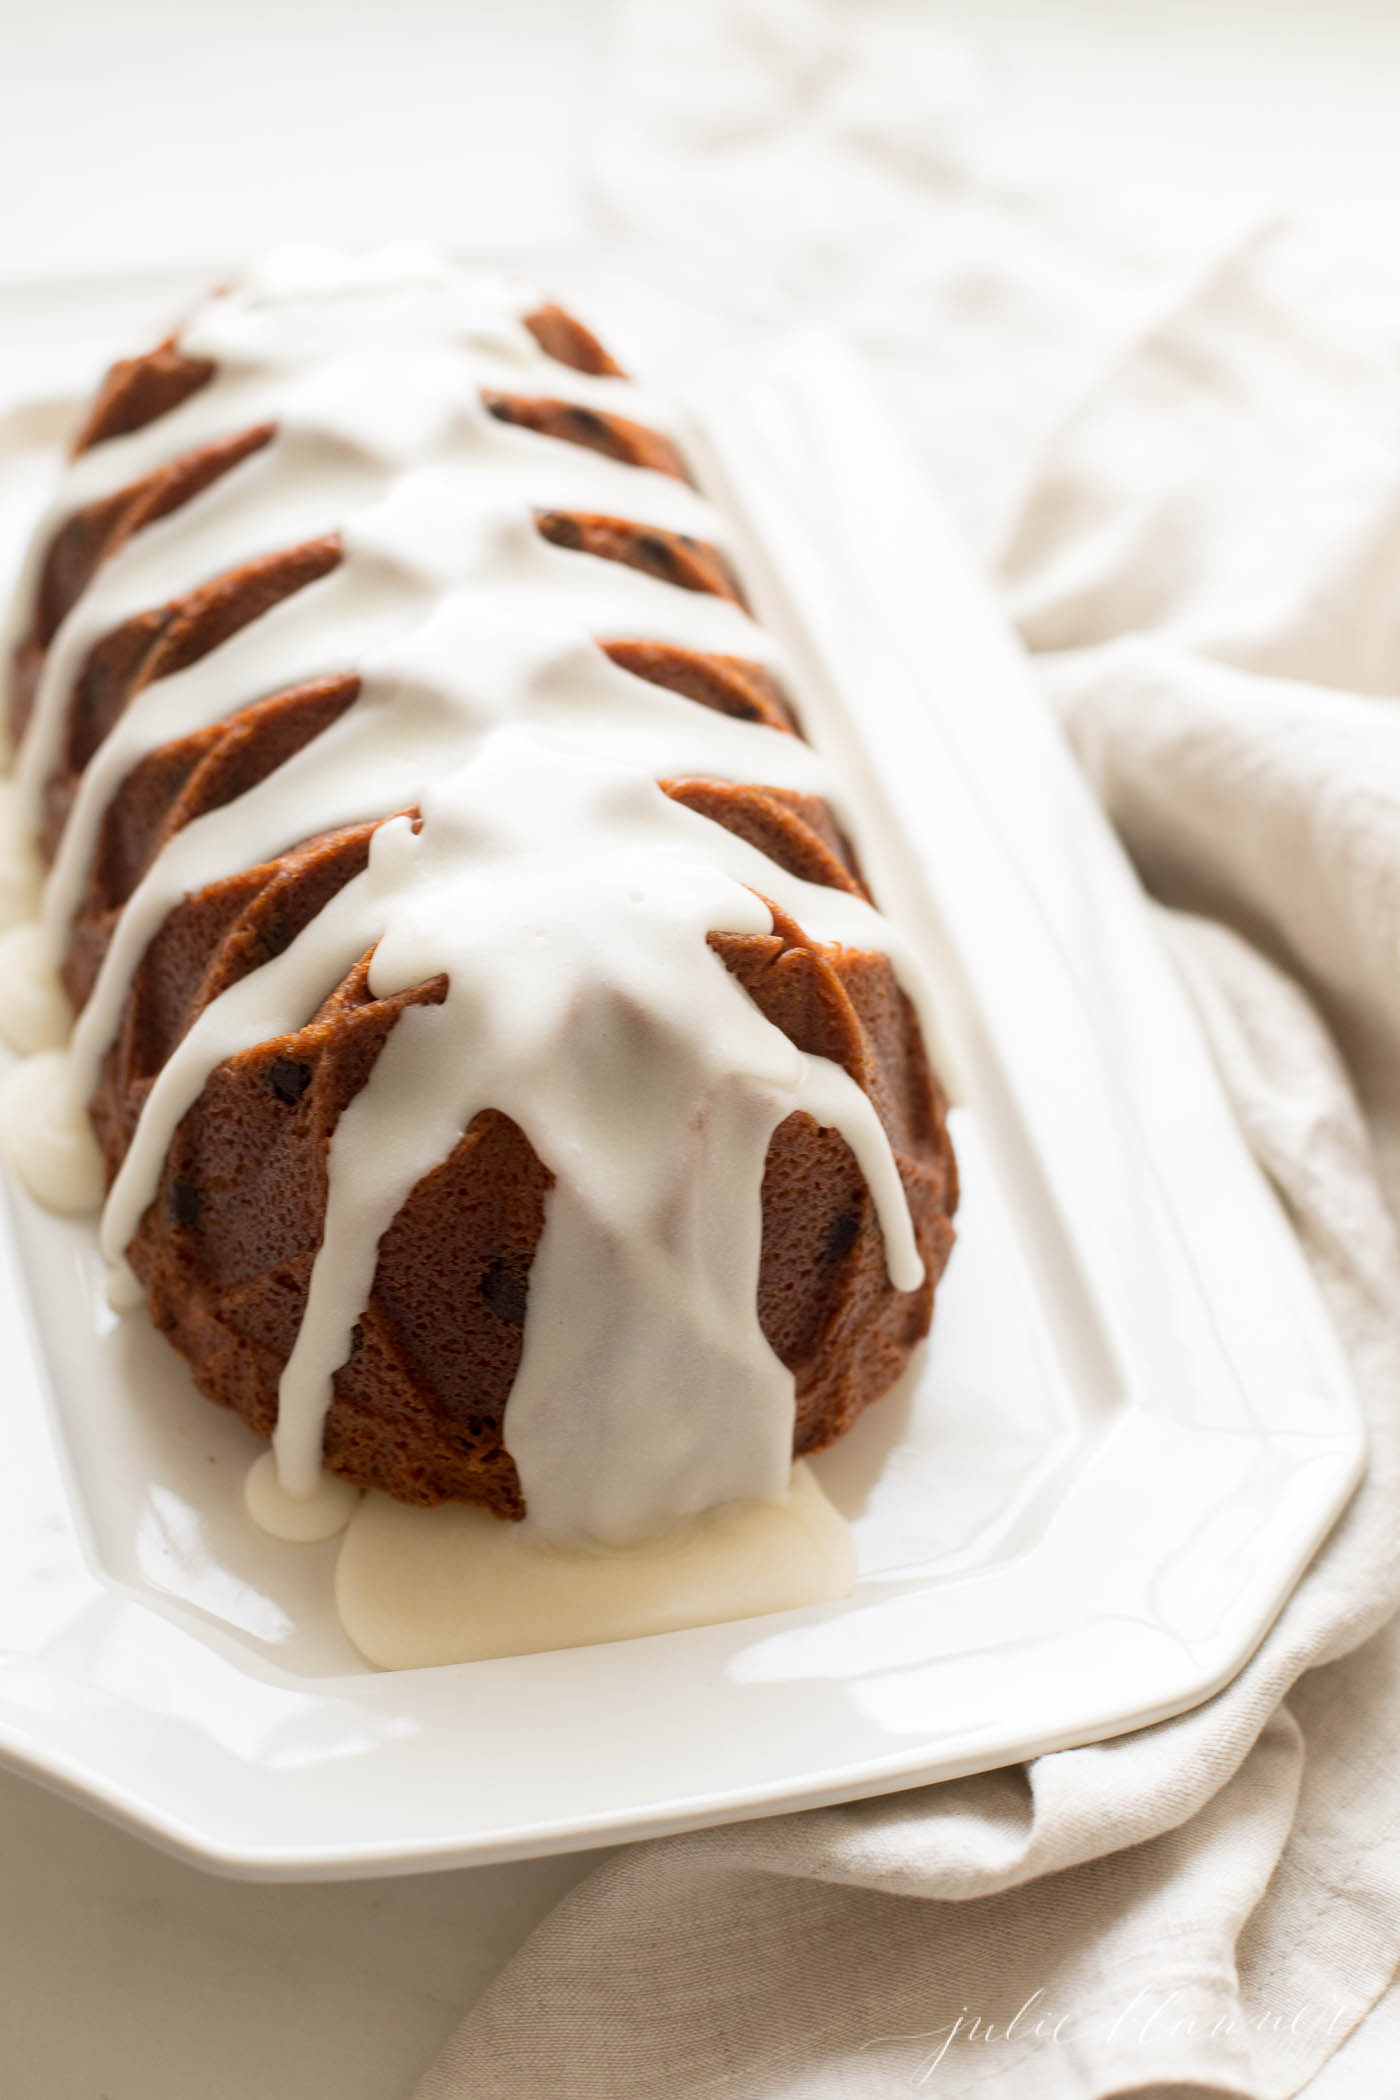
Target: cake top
[{"x": 534, "y": 863}]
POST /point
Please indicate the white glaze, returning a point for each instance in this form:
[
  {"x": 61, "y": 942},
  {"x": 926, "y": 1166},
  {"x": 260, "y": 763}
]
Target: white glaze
[
  {"x": 454, "y": 1584},
  {"x": 564, "y": 895},
  {"x": 499, "y": 650},
  {"x": 20, "y": 873},
  {"x": 300, "y": 1519},
  {"x": 124, "y": 1292},
  {"x": 48, "y": 1139},
  {"x": 34, "y": 1009}
]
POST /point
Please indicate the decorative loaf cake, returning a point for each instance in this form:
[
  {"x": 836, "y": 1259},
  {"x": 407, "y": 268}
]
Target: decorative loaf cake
[{"x": 506, "y": 1089}]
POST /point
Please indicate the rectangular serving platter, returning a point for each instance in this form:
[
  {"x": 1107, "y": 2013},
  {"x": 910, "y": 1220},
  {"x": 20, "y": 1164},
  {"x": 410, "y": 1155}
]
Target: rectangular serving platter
[{"x": 1079, "y": 1513}]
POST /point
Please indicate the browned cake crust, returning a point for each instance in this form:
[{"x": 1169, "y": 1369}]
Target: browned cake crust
[{"x": 225, "y": 1250}]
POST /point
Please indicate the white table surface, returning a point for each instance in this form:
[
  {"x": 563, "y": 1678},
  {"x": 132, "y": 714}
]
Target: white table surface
[{"x": 124, "y": 1976}]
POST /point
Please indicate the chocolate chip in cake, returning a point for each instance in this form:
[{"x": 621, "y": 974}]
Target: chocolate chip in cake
[
  {"x": 591, "y": 425},
  {"x": 184, "y": 1202},
  {"x": 559, "y": 529},
  {"x": 503, "y": 1287},
  {"x": 842, "y": 1237},
  {"x": 288, "y": 1079},
  {"x": 660, "y": 553}
]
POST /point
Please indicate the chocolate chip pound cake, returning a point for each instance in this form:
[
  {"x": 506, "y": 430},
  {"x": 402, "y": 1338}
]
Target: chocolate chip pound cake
[{"x": 506, "y": 1087}]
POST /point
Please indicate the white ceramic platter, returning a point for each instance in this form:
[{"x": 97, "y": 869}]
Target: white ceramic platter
[{"x": 1129, "y": 1433}]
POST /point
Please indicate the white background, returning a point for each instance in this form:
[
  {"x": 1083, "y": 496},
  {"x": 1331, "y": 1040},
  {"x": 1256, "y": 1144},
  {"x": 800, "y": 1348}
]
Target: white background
[{"x": 137, "y": 134}]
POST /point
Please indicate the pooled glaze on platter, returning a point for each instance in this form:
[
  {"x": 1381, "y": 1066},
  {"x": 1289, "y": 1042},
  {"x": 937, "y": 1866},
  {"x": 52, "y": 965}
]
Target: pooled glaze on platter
[{"x": 450, "y": 1584}]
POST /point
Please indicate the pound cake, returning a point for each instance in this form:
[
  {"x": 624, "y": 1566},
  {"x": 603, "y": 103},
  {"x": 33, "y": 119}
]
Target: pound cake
[{"x": 507, "y": 1091}]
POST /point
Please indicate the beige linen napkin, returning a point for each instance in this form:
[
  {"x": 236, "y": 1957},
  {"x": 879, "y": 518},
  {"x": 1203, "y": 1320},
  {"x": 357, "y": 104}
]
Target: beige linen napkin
[{"x": 1176, "y": 435}]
